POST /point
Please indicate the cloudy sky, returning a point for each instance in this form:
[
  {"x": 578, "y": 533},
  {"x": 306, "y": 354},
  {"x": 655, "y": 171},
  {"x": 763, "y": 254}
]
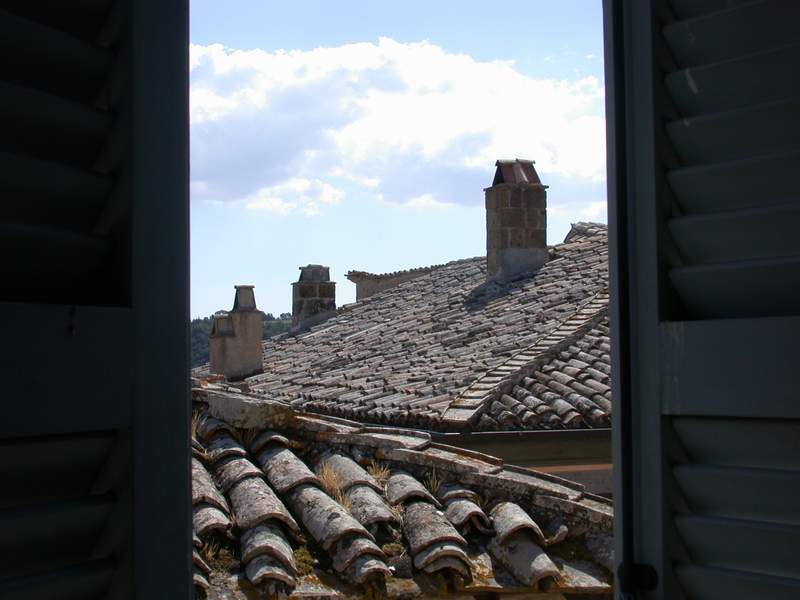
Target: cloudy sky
[{"x": 359, "y": 134}]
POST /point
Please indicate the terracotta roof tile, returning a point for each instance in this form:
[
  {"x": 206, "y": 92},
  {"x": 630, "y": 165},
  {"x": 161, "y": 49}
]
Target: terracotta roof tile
[{"x": 339, "y": 509}]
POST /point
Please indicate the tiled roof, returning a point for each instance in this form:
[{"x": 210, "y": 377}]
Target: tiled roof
[
  {"x": 354, "y": 275},
  {"x": 439, "y": 351},
  {"x": 318, "y": 507},
  {"x": 570, "y": 388}
]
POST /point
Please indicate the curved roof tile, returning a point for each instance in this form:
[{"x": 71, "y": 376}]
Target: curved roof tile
[{"x": 318, "y": 537}]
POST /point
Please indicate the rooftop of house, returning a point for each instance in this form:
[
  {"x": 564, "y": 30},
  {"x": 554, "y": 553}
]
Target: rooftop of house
[
  {"x": 312, "y": 506},
  {"x": 446, "y": 350}
]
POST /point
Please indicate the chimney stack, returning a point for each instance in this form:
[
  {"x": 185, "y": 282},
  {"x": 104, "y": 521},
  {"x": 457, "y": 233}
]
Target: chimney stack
[
  {"x": 235, "y": 338},
  {"x": 313, "y": 297},
  {"x": 516, "y": 221}
]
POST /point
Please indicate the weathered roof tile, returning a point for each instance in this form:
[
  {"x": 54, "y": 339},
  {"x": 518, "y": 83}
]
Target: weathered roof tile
[
  {"x": 402, "y": 487},
  {"x": 368, "y": 507},
  {"x": 465, "y": 513},
  {"x": 350, "y": 548},
  {"x": 269, "y": 539},
  {"x": 209, "y": 518},
  {"x": 523, "y": 558},
  {"x": 231, "y": 471},
  {"x": 347, "y": 471},
  {"x": 424, "y": 525},
  {"x": 254, "y": 503},
  {"x": 509, "y": 518},
  {"x": 284, "y": 470},
  {"x": 324, "y": 518},
  {"x": 266, "y": 568},
  {"x": 203, "y": 488},
  {"x": 336, "y": 541}
]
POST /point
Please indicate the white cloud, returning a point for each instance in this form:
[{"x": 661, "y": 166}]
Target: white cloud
[
  {"x": 427, "y": 201},
  {"x": 295, "y": 194},
  {"x": 408, "y": 122},
  {"x": 583, "y": 211}
]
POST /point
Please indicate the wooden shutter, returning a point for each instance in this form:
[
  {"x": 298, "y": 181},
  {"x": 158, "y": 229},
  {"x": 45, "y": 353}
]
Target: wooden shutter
[
  {"x": 704, "y": 214},
  {"x": 93, "y": 233}
]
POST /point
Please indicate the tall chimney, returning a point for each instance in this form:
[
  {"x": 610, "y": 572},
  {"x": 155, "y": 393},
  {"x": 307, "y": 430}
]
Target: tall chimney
[
  {"x": 516, "y": 221},
  {"x": 313, "y": 297},
  {"x": 235, "y": 338}
]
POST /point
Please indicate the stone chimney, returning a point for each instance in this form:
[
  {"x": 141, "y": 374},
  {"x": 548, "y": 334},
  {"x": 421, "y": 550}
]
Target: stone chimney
[
  {"x": 516, "y": 221},
  {"x": 313, "y": 297},
  {"x": 235, "y": 339}
]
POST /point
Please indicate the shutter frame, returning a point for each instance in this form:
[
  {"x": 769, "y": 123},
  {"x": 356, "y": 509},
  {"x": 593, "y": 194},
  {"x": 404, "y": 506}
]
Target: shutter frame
[{"x": 704, "y": 298}]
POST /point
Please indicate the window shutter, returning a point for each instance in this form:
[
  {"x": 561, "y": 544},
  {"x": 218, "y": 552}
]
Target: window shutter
[
  {"x": 93, "y": 144},
  {"x": 704, "y": 145}
]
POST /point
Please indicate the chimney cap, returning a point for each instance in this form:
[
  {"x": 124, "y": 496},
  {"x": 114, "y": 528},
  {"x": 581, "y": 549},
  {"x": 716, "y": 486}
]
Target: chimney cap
[
  {"x": 314, "y": 274},
  {"x": 518, "y": 170},
  {"x": 245, "y": 298}
]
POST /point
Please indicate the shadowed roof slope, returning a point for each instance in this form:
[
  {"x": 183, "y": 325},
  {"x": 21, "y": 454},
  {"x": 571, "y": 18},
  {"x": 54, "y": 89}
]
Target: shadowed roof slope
[{"x": 438, "y": 351}]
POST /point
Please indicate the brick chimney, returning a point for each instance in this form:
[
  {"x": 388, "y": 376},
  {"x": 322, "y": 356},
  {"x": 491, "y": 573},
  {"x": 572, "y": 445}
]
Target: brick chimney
[
  {"x": 235, "y": 338},
  {"x": 516, "y": 221},
  {"x": 313, "y": 297}
]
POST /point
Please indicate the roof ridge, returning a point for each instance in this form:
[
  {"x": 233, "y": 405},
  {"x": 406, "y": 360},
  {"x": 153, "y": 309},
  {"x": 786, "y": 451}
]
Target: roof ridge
[
  {"x": 579, "y": 228},
  {"x": 582, "y": 228},
  {"x": 473, "y": 401},
  {"x": 412, "y": 447},
  {"x": 421, "y": 270}
]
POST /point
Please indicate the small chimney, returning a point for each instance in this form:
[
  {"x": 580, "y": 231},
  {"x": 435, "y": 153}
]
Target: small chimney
[
  {"x": 516, "y": 221},
  {"x": 313, "y": 297},
  {"x": 235, "y": 338}
]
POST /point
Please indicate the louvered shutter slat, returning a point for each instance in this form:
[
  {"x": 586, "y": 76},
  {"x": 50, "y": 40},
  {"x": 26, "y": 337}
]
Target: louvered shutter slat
[
  {"x": 738, "y": 235},
  {"x": 49, "y": 127},
  {"x": 771, "y": 495},
  {"x": 740, "y": 545},
  {"x": 78, "y": 582},
  {"x": 725, "y": 86},
  {"x": 28, "y": 468},
  {"x": 758, "y": 181},
  {"x": 686, "y": 9},
  {"x": 751, "y": 288},
  {"x": 52, "y": 61},
  {"x": 708, "y": 583},
  {"x": 51, "y": 193},
  {"x": 720, "y": 442},
  {"x": 52, "y": 535},
  {"x": 740, "y": 133},
  {"x": 733, "y": 32},
  {"x": 82, "y": 19}
]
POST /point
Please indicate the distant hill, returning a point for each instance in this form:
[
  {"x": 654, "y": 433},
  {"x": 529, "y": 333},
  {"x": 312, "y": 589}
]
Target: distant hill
[{"x": 200, "y": 328}]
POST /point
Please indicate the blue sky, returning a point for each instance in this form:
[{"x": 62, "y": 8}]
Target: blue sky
[{"x": 359, "y": 135}]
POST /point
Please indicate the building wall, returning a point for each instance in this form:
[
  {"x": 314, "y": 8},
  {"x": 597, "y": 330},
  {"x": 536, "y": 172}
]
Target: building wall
[{"x": 368, "y": 284}]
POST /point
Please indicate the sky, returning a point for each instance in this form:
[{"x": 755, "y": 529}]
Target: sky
[{"x": 360, "y": 134}]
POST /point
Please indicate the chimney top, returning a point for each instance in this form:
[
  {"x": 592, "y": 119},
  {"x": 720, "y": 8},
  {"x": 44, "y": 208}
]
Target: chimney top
[
  {"x": 314, "y": 274},
  {"x": 515, "y": 171},
  {"x": 313, "y": 297},
  {"x": 245, "y": 298}
]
